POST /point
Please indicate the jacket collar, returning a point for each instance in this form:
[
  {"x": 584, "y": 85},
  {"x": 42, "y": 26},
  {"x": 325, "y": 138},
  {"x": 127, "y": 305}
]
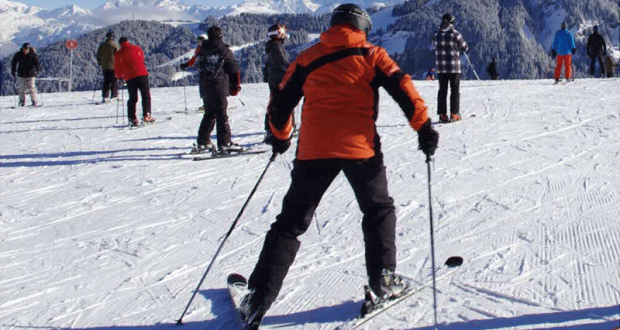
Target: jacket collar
[{"x": 342, "y": 35}]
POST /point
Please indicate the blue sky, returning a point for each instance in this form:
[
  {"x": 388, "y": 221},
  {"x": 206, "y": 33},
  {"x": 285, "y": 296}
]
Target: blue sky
[{"x": 92, "y": 4}]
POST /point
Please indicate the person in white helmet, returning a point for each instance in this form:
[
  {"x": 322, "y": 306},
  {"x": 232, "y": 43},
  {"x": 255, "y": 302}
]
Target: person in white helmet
[{"x": 192, "y": 61}]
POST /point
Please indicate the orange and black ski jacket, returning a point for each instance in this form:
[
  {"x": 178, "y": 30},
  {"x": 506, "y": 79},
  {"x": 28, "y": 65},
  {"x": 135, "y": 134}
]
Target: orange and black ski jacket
[{"x": 340, "y": 78}]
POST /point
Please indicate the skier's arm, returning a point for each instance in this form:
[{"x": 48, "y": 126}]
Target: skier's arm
[
  {"x": 398, "y": 84},
  {"x": 281, "y": 107},
  {"x": 232, "y": 69},
  {"x": 14, "y": 65},
  {"x": 118, "y": 67},
  {"x": 279, "y": 56},
  {"x": 461, "y": 42}
]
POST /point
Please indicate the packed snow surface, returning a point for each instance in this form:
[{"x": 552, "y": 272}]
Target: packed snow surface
[{"x": 105, "y": 227}]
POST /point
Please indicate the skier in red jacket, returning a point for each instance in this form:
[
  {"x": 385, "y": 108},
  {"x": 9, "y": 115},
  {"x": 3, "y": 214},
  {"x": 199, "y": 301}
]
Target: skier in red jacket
[{"x": 129, "y": 66}]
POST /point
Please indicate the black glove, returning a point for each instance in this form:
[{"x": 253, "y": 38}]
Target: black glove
[
  {"x": 428, "y": 139},
  {"x": 183, "y": 66},
  {"x": 573, "y": 50},
  {"x": 278, "y": 146},
  {"x": 553, "y": 53}
]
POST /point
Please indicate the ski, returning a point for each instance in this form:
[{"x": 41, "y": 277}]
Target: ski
[
  {"x": 449, "y": 268},
  {"x": 438, "y": 123},
  {"x": 218, "y": 155},
  {"x": 238, "y": 288}
]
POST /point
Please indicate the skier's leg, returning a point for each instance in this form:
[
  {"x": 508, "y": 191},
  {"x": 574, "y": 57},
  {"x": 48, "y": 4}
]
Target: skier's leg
[
  {"x": 223, "y": 126},
  {"x": 601, "y": 65},
  {"x": 455, "y": 94},
  {"x": 105, "y": 87},
  {"x": 592, "y": 63},
  {"x": 21, "y": 90},
  {"x": 309, "y": 181},
  {"x": 132, "y": 90},
  {"x": 568, "y": 66},
  {"x": 558, "y": 67},
  {"x": 207, "y": 123},
  {"x": 145, "y": 94},
  {"x": 442, "y": 107},
  {"x": 369, "y": 181}
]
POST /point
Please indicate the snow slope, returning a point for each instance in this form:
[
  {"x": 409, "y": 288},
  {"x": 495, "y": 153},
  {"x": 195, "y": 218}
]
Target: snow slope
[{"x": 104, "y": 227}]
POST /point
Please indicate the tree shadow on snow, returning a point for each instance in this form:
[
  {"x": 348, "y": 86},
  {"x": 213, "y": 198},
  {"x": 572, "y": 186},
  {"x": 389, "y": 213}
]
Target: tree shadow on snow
[
  {"x": 543, "y": 321},
  {"x": 98, "y": 157}
]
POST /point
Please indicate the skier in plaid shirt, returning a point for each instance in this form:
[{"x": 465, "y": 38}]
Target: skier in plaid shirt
[{"x": 448, "y": 43}]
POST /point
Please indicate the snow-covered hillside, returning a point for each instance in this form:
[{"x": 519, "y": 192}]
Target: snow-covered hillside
[{"x": 105, "y": 227}]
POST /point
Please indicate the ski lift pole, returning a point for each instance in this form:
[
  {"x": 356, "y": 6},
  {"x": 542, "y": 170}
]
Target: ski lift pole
[{"x": 185, "y": 91}]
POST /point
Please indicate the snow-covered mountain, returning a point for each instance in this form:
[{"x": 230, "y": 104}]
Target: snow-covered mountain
[{"x": 21, "y": 23}]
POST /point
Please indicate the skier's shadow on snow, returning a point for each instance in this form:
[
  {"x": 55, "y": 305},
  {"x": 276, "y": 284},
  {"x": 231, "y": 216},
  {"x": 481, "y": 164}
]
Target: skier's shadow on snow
[{"x": 597, "y": 319}]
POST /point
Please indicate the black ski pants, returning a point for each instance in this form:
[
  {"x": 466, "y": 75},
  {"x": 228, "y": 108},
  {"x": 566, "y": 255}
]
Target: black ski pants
[
  {"x": 139, "y": 83},
  {"x": 600, "y": 63},
  {"x": 310, "y": 180},
  {"x": 215, "y": 105},
  {"x": 454, "y": 80},
  {"x": 109, "y": 84}
]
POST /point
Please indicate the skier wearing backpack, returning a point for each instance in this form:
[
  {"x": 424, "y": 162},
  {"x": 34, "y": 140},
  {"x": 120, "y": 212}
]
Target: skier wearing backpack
[
  {"x": 276, "y": 64},
  {"x": 562, "y": 50},
  {"x": 201, "y": 38},
  {"x": 596, "y": 49},
  {"x": 339, "y": 78},
  {"x": 219, "y": 77},
  {"x": 448, "y": 43},
  {"x": 492, "y": 69}
]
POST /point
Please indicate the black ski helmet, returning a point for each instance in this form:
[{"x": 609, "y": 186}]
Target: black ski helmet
[
  {"x": 449, "y": 18},
  {"x": 109, "y": 35},
  {"x": 26, "y": 46},
  {"x": 563, "y": 25},
  {"x": 353, "y": 15},
  {"x": 214, "y": 32},
  {"x": 276, "y": 31}
]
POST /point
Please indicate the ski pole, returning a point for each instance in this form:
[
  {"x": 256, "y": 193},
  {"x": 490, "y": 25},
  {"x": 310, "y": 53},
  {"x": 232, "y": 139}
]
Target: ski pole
[
  {"x": 117, "y": 106},
  {"x": 123, "y": 103},
  {"x": 430, "y": 210},
  {"x": 94, "y": 92},
  {"x": 185, "y": 92},
  {"x": 239, "y": 97},
  {"x": 472, "y": 67},
  {"x": 273, "y": 157}
]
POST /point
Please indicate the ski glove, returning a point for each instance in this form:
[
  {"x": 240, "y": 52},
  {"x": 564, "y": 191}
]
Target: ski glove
[
  {"x": 573, "y": 50},
  {"x": 278, "y": 146},
  {"x": 553, "y": 53},
  {"x": 183, "y": 66},
  {"x": 428, "y": 139}
]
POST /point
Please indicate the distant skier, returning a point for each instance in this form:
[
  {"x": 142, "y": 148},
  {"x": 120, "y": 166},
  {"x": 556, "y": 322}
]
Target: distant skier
[
  {"x": 105, "y": 59},
  {"x": 276, "y": 64},
  {"x": 24, "y": 67},
  {"x": 609, "y": 66},
  {"x": 562, "y": 50},
  {"x": 201, "y": 38},
  {"x": 448, "y": 43},
  {"x": 596, "y": 49},
  {"x": 492, "y": 69},
  {"x": 219, "y": 77},
  {"x": 339, "y": 79},
  {"x": 430, "y": 74},
  {"x": 129, "y": 66}
]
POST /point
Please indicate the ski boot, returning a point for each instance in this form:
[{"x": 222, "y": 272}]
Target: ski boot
[
  {"x": 389, "y": 286},
  {"x": 148, "y": 119},
  {"x": 455, "y": 117},
  {"x": 203, "y": 148},
  {"x": 134, "y": 122},
  {"x": 443, "y": 118},
  {"x": 251, "y": 314},
  {"x": 230, "y": 147}
]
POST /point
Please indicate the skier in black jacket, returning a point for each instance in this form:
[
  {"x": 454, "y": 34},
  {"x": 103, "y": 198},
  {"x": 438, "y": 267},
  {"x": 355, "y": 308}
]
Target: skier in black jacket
[
  {"x": 24, "y": 67},
  {"x": 275, "y": 66},
  {"x": 219, "y": 77},
  {"x": 596, "y": 48},
  {"x": 492, "y": 70}
]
